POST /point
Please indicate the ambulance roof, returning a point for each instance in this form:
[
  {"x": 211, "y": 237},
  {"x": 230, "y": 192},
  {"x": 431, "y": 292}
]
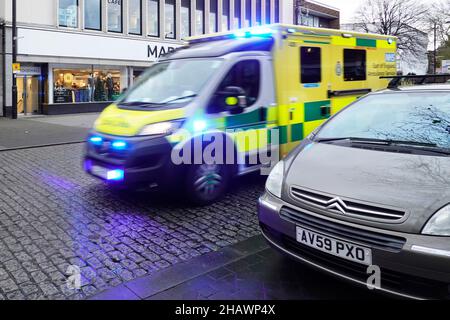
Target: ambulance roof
[
  {"x": 285, "y": 28},
  {"x": 220, "y": 48}
]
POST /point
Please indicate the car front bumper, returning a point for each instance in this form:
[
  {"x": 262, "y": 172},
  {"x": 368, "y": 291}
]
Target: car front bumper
[
  {"x": 145, "y": 161},
  {"x": 419, "y": 268}
]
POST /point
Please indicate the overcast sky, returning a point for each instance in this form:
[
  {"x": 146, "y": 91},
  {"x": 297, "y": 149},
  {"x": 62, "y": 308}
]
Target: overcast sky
[{"x": 348, "y": 8}]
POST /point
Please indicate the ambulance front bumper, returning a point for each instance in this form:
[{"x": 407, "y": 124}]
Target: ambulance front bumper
[{"x": 131, "y": 161}]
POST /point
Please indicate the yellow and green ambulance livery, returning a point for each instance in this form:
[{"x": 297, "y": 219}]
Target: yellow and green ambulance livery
[{"x": 241, "y": 86}]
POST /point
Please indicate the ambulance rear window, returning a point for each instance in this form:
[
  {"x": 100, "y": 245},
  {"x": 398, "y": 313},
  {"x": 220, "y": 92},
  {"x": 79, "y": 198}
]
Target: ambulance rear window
[
  {"x": 310, "y": 64},
  {"x": 354, "y": 65}
]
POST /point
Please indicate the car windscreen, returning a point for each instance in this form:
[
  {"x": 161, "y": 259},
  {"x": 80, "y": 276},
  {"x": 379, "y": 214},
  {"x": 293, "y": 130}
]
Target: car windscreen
[
  {"x": 171, "y": 82},
  {"x": 417, "y": 117}
]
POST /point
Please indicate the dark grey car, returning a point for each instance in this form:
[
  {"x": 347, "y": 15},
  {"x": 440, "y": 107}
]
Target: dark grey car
[{"x": 367, "y": 196}]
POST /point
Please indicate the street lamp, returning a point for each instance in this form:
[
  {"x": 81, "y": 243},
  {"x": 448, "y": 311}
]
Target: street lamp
[{"x": 14, "y": 59}]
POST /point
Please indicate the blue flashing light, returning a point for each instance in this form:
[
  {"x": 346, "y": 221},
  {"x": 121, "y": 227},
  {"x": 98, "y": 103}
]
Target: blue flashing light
[
  {"x": 115, "y": 175},
  {"x": 96, "y": 140},
  {"x": 261, "y": 31},
  {"x": 241, "y": 34},
  {"x": 257, "y": 31},
  {"x": 119, "y": 145},
  {"x": 199, "y": 125}
]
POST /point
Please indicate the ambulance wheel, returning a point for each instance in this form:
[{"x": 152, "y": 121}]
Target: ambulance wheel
[{"x": 206, "y": 184}]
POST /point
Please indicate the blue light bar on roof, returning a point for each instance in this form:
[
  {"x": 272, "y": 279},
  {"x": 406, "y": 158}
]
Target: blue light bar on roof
[{"x": 257, "y": 31}]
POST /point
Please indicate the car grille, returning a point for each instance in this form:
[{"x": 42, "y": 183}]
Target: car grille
[
  {"x": 390, "y": 280},
  {"x": 363, "y": 237},
  {"x": 345, "y": 207}
]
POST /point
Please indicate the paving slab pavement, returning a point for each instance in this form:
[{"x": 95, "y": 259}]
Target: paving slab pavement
[{"x": 44, "y": 130}]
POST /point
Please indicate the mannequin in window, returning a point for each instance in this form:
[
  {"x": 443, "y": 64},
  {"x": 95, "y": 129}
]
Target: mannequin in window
[
  {"x": 91, "y": 87},
  {"x": 110, "y": 86},
  {"x": 99, "y": 93}
]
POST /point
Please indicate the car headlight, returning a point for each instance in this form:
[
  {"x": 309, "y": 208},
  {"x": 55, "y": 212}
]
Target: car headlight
[
  {"x": 275, "y": 181},
  {"x": 160, "y": 128},
  {"x": 439, "y": 224}
]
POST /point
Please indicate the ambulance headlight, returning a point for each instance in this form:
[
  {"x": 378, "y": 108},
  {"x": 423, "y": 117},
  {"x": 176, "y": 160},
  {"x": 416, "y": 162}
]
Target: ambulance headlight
[
  {"x": 275, "y": 181},
  {"x": 160, "y": 128}
]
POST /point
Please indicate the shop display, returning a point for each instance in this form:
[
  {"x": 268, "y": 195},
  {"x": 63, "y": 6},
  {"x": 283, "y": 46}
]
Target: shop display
[{"x": 77, "y": 86}]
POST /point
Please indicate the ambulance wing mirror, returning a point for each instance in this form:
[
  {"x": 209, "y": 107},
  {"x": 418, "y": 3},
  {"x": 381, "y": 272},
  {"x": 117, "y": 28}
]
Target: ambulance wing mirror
[{"x": 235, "y": 99}]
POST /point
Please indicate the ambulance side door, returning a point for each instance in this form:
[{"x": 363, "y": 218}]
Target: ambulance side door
[{"x": 254, "y": 74}]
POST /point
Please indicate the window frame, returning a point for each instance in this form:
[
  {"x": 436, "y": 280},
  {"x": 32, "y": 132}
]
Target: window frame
[
  {"x": 121, "y": 17},
  {"x": 302, "y": 64},
  {"x": 203, "y": 17},
  {"x": 140, "y": 18},
  {"x": 216, "y": 22},
  {"x": 78, "y": 16},
  {"x": 174, "y": 36},
  {"x": 237, "y": 14},
  {"x": 218, "y": 87},
  {"x": 101, "y": 17},
  {"x": 189, "y": 22},
  {"x": 226, "y": 19},
  {"x": 345, "y": 69},
  {"x": 268, "y": 12},
  {"x": 158, "y": 16}
]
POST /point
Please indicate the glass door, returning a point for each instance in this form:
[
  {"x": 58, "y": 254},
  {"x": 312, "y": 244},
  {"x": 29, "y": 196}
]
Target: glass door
[{"x": 27, "y": 95}]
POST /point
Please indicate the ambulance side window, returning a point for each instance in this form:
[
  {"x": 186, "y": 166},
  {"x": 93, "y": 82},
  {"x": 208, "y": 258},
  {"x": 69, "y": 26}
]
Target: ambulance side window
[
  {"x": 310, "y": 64},
  {"x": 244, "y": 74},
  {"x": 354, "y": 65}
]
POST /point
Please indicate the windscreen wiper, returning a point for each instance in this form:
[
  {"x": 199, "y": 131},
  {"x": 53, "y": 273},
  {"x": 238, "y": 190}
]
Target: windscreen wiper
[
  {"x": 180, "y": 98},
  {"x": 425, "y": 146},
  {"x": 354, "y": 139},
  {"x": 142, "y": 104}
]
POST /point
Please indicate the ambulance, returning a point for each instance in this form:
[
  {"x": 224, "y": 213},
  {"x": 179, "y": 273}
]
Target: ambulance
[{"x": 242, "y": 86}]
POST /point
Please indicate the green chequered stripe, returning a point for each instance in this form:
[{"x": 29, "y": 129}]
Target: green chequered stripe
[
  {"x": 297, "y": 132},
  {"x": 241, "y": 120},
  {"x": 372, "y": 43},
  {"x": 314, "y": 110},
  {"x": 316, "y": 42},
  {"x": 283, "y": 134}
]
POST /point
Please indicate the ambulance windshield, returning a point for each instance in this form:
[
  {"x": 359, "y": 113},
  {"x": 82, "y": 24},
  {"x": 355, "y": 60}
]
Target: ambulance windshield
[{"x": 170, "y": 83}]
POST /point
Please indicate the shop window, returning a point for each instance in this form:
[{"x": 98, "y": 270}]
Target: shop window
[
  {"x": 248, "y": 13},
  {"x": 170, "y": 19},
  {"x": 115, "y": 19},
  {"x": 246, "y": 75},
  {"x": 85, "y": 85},
  {"x": 212, "y": 16},
  {"x": 68, "y": 13},
  {"x": 93, "y": 14},
  {"x": 185, "y": 16},
  {"x": 268, "y": 11},
  {"x": 225, "y": 15},
  {"x": 200, "y": 17},
  {"x": 135, "y": 17},
  {"x": 153, "y": 18},
  {"x": 355, "y": 65},
  {"x": 258, "y": 12},
  {"x": 237, "y": 14},
  {"x": 310, "y": 65}
]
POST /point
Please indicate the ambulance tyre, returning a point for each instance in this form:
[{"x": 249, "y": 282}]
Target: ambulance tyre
[{"x": 206, "y": 184}]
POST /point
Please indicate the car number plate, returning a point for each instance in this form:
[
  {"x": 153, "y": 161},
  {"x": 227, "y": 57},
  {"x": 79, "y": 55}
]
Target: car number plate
[
  {"x": 100, "y": 172},
  {"x": 335, "y": 247}
]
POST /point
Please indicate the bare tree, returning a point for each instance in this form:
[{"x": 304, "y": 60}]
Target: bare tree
[{"x": 401, "y": 18}]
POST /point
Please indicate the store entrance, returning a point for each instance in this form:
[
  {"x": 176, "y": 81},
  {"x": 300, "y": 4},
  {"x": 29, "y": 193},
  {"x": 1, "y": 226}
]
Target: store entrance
[{"x": 27, "y": 95}]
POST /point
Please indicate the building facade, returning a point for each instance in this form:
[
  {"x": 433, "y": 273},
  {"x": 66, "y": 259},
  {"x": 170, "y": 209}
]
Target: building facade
[
  {"x": 316, "y": 14},
  {"x": 79, "y": 55}
]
